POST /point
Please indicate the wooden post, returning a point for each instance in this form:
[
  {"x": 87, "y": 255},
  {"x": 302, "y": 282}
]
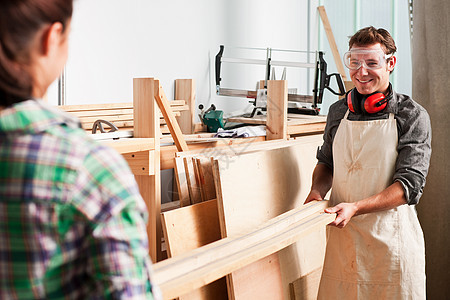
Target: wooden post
[
  {"x": 332, "y": 42},
  {"x": 185, "y": 90},
  {"x": 277, "y": 94},
  {"x": 146, "y": 125}
]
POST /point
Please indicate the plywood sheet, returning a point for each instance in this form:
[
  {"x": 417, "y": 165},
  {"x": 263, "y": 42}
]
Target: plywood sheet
[
  {"x": 253, "y": 188},
  {"x": 191, "y": 227}
]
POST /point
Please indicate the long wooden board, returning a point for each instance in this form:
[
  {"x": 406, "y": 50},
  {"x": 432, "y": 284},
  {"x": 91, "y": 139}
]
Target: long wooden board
[{"x": 178, "y": 275}]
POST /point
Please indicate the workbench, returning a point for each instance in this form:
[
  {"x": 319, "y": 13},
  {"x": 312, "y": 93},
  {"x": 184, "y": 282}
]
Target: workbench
[
  {"x": 297, "y": 124},
  {"x": 148, "y": 151}
]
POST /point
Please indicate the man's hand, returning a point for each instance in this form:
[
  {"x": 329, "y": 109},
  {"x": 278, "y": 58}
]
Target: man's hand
[
  {"x": 314, "y": 195},
  {"x": 344, "y": 211}
]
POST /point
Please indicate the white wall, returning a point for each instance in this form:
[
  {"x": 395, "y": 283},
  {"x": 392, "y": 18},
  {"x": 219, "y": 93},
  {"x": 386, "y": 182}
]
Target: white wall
[{"x": 113, "y": 41}]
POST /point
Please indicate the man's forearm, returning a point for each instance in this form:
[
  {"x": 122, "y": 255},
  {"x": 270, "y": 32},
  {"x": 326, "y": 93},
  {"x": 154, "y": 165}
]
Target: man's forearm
[
  {"x": 322, "y": 179},
  {"x": 392, "y": 197}
]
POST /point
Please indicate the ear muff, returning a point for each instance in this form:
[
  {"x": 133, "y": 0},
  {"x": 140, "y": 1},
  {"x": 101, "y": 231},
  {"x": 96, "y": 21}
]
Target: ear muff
[
  {"x": 374, "y": 103},
  {"x": 352, "y": 102},
  {"x": 369, "y": 104}
]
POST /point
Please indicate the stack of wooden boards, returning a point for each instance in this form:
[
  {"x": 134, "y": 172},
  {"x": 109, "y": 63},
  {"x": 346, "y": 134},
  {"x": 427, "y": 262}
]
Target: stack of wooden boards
[
  {"x": 120, "y": 114},
  {"x": 228, "y": 193}
]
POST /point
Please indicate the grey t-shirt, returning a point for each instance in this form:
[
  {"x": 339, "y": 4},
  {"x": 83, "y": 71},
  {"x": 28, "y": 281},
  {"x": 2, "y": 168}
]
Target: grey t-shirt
[{"x": 414, "y": 140}]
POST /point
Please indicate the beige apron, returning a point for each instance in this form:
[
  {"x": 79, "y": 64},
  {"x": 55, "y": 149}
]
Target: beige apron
[{"x": 378, "y": 255}]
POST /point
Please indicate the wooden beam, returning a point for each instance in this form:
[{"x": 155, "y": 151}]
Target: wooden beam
[
  {"x": 277, "y": 91},
  {"x": 332, "y": 42},
  {"x": 146, "y": 125},
  {"x": 172, "y": 123},
  {"x": 179, "y": 275}
]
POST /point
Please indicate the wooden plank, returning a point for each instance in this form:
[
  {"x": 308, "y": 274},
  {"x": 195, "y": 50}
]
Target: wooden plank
[
  {"x": 314, "y": 128},
  {"x": 258, "y": 186},
  {"x": 332, "y": 42},
  {"x": 276, "y": 126},
  {"x": 146, "y": 125},
  {"x": 109, "y": 106},
  {"x": 192, "y": 181},
  {"x": 102, "y": 112},
  {"x": 181, "y": 181},
  {"x": 306, "y": 287},
  {"x": 189, "y": 228},
  {"x": 131, "y": 145},
  {"x": 185, "y": 89},
  {"x": 181, "y": 274},
  {"x": 206, "y": 178},
  {"x": 172, "y": 123},
  {"x": 348, "y": 85},
  {"x": 98, "y": 106}
]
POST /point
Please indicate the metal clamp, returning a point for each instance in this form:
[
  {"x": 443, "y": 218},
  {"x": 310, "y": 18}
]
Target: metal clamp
[{"x": 99, "y": 124}]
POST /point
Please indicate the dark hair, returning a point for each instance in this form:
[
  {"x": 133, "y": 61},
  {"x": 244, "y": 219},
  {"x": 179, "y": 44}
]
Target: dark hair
[
  {"x": 20, "y": 20},
  {"x": 371, "y": 35}
]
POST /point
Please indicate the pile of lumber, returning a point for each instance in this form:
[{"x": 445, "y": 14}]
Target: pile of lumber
[
  {"x": 119, "y": 114},
  {"x": 247, "y": 199}
]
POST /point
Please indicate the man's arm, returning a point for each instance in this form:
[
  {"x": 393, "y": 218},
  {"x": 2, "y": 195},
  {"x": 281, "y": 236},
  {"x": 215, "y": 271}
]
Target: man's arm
[
  {"x": 321, "y": 183},
  {"x": 391, "y": 197}
]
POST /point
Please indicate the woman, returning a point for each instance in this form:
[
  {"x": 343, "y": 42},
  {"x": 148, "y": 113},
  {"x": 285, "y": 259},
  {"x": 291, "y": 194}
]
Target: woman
[{"x": 72, "y": 221}]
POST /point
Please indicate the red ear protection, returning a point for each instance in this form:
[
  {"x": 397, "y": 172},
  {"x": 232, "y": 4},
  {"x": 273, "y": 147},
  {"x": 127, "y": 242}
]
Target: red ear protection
[{"x": 369, "y": 104}]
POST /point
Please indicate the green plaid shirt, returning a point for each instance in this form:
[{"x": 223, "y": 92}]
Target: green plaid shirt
[{"x": 72, "y": 221}]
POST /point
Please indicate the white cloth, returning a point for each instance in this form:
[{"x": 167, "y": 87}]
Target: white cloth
[
  {"x": 246, "y": 131},
  {"x": 378, "y": 255}
]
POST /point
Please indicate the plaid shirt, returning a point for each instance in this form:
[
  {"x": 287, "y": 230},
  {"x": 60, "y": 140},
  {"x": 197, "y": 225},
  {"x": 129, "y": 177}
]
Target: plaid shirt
[{"x": 72, "y": 221}]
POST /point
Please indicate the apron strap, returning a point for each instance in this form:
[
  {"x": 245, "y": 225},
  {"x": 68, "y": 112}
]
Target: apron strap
[{"x": 346, "y": 115}]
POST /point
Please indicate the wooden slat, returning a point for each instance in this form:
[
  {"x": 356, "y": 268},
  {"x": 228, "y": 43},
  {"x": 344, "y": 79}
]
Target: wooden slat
[
  {"x": 172, "y": 123},
  {"x": 179, "y": 275},
  {"x": 131, "y": 145},
  {"x": 111, "y": 106},
  {"x": 181, "y": 181},
  {"x": 102, "y": 112},
  {"x": 192, "y": 181},
  {"x": 185, "y": 89},
  {"x": 276, "y": 127},
  {"x": 206, "y": 178},
  {"x": 332, "y": 42}
]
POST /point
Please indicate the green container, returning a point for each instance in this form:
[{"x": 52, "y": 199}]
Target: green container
[{"x": 213, "y": 120}]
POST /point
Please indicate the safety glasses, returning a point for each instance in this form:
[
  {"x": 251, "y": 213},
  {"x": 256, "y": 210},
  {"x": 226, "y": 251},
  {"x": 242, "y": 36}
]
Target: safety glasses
[{"x": 370, "y": 59}]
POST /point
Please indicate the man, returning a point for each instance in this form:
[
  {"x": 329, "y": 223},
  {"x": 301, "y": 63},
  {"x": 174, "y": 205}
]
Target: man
[{"x": 375, "y": 157}]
